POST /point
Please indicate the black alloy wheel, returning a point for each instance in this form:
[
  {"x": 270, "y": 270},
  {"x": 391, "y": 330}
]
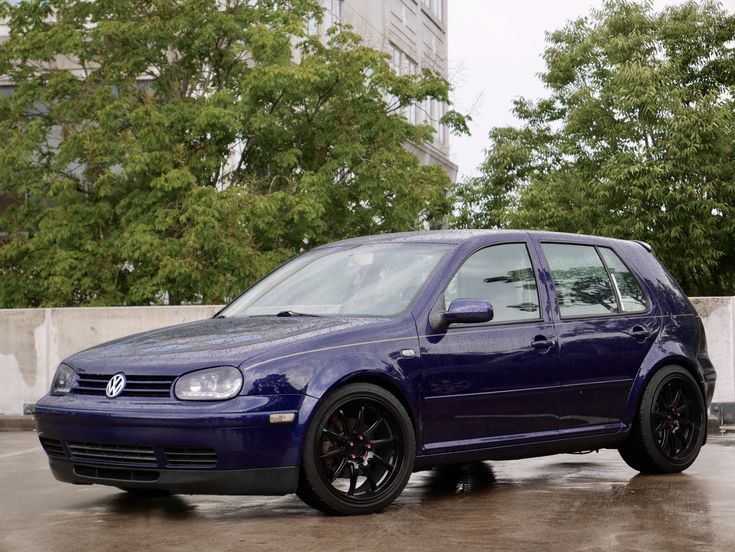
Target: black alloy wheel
[
  {"x": 670, "y": 425},
  {"x": 359, "y": 452},
  {"x": 676, "y": 418}
]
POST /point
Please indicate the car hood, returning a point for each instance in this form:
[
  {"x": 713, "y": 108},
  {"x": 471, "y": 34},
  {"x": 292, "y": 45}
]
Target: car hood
[{"x": 221, "y": 341}]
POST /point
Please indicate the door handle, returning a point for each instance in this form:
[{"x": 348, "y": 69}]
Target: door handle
[
  {"x": 639, "y": 333},
  {"x": 541, "y": 342}
]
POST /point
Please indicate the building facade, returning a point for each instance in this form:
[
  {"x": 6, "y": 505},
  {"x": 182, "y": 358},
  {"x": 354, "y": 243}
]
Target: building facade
[{"x": 414, "y": 33}]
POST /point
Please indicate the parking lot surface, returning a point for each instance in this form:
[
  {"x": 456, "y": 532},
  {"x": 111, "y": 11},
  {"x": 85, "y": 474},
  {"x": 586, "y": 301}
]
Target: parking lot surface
[{"x": 569, "y": 502}]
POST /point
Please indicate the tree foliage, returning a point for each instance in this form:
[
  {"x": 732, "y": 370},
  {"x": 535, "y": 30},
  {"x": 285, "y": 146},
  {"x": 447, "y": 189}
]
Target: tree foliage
[
  {"x": 181, "y": 149},
  {"x": 635, "y": 139}
]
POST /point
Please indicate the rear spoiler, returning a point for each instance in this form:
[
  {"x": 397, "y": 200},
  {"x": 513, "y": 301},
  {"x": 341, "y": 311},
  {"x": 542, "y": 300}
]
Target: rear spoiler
[{"x": 645, "y": 245}]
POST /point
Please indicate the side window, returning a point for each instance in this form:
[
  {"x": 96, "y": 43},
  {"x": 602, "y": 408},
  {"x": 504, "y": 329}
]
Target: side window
[
  {"x": 503, "y": 275},
  {"x": 582, "y": 285},
  {"x": 632, "y": 298}
]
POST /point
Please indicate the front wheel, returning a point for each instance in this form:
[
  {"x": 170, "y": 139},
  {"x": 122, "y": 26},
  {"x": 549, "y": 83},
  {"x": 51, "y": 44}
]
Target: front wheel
[
  {"x": 670, "y": 425},
  {"x": 359, "y": 451}
]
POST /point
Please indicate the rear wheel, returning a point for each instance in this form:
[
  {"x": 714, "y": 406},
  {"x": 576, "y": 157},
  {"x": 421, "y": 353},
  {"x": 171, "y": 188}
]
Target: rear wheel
[
  {"x": 359, "y": 451},
  {"x": 670, "y": 425}
]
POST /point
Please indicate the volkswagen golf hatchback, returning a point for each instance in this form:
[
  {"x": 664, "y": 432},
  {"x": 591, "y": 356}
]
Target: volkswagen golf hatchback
[{"x": 362, "y": 361}]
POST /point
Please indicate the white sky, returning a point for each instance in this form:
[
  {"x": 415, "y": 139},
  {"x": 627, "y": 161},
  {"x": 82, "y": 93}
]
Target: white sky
[{"x": 495, "y": 49}]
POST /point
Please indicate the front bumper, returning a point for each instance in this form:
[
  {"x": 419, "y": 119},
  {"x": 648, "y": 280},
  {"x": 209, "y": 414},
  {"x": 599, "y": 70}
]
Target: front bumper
[
  {"x": 129, "y": 443},
  {"x": 263, "y": 481}
]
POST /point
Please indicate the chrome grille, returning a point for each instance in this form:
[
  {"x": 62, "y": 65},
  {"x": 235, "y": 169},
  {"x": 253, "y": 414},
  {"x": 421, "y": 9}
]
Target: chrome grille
[
  {"x": 136, "y": 385},
  {"x": 190, "y": 456},
  {"x": 118, "y": 454}
]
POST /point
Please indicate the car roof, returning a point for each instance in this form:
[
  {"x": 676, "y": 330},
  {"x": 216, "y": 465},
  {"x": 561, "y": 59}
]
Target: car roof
[{"x": 460, "y": 236}]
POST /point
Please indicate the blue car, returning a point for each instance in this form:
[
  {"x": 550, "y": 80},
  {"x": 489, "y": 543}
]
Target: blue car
[{"x": 362, "y": 361}]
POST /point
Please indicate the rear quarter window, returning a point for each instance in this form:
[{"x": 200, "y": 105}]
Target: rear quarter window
[{"x": 632, "y": 298}]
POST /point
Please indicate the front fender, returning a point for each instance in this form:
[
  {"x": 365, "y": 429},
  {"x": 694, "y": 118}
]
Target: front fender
[{"x": 315, "y": 372}]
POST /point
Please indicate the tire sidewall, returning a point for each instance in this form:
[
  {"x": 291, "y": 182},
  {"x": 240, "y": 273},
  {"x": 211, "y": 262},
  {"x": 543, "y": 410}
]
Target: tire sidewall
[
  {"x": 311, "y": 470},
  {"x": 659, "y": 379}
]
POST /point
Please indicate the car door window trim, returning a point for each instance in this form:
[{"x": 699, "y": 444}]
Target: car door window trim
[
  {"x": 604, "y": 264},
  {"x": 493, "y": 324}
]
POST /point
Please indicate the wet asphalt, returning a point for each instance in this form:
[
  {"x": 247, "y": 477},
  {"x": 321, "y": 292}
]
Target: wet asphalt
[{"x": 568, "y": 502}]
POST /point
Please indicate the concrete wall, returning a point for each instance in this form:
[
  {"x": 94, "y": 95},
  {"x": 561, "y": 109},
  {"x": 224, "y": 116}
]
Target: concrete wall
[
  {"x": 718, "y": 317},
  {"x": 34, "y": 341}
]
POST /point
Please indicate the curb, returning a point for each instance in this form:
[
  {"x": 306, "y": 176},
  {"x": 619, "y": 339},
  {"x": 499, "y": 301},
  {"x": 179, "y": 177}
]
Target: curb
[{"x": 17, "y": 423}]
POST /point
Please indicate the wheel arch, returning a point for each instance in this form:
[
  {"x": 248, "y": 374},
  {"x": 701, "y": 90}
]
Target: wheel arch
[
  {"x": 380, "y": 380},
  {"x": 644, "y": 377}
]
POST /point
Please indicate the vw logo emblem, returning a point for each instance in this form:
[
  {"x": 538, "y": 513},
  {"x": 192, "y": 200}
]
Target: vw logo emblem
[{"x": 115, "y": 386}]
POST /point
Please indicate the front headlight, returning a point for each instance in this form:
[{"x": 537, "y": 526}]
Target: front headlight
[
  {"x": 64, "y": 379},
  {"x": 210, "y": 384}
]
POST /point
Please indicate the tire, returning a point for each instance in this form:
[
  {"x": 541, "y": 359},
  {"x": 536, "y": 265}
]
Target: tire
[
  {"x": 307, "y": 495},
  {"x": 359, "y": 452},
  {"x": 670, "y": 424}
]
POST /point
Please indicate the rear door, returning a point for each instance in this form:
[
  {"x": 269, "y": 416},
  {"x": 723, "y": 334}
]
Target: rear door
[
  {"x": 606, "y": 326},
  {"x": 499, "y": 380}
]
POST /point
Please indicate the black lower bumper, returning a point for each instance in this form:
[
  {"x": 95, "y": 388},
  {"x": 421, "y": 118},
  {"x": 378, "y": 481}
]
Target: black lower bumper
[{"x": 261, "y": 481}]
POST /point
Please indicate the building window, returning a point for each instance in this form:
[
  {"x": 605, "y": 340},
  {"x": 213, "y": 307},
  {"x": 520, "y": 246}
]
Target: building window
[
  {"x": 436, "y": 7},
  {"x": 332, "y": 13},
  {"x": 412, "y": 111},
  {"x": 441, "y": 130},
  {"x": 395, "y": 59},
  {"x": 403, "y": 65},
  {"x": 431, "y": 113},
  {"x": 312, "y": 27}
]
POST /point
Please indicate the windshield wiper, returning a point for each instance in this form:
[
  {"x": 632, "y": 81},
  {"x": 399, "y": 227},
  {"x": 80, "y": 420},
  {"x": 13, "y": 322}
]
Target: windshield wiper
[{"x": 294, "y": 313}]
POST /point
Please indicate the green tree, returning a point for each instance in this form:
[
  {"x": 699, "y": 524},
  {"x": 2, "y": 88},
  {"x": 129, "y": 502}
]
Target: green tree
[
  {"x": 183, "y": 148},
  {"x": 635, "y": 139}
]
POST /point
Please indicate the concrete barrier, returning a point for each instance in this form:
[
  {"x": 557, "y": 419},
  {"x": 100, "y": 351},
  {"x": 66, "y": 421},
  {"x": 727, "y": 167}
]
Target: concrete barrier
[
  {"x": 718, "y": 317},
  {"x": 34, "y": 341}
]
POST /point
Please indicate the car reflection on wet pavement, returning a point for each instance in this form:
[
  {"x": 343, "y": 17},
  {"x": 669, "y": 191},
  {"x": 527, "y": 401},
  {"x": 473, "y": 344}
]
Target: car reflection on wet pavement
[{"x": 568, "y": 502}]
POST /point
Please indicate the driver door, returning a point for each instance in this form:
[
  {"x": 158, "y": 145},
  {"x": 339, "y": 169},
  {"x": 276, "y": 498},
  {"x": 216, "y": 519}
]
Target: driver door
[{"x": 497, "y": 380}]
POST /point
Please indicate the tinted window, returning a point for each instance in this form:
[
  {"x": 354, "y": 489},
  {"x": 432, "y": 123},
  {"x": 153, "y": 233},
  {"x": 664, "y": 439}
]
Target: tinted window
[
  {"x": 581, "y": 281},
  {"x": 631, "y": 294},
  {"x": 503, "y": 275}
]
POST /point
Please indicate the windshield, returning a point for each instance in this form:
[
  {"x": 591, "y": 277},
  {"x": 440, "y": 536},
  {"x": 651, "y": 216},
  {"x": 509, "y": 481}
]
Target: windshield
[{"x": 367, "y": 280}]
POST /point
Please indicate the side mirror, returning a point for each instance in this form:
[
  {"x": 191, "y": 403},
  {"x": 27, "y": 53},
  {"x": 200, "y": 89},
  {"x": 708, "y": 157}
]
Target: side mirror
[{"x": 465, "y": 311}]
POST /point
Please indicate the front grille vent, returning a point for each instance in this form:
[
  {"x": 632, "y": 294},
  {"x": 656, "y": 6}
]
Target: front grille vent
[
  {"x": 190, "y": 456},
  {"x": 115, "y": 474},
  {"x": 118, "y": 454},
  {"x": 53, "y": 447},
  {"x": 135, "y": 386}
]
